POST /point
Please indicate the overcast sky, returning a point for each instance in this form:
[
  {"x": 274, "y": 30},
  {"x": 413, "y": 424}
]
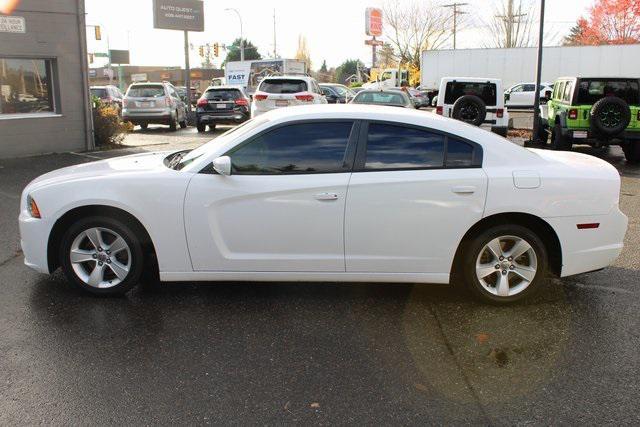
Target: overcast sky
[{"x": 334, "y": 28}]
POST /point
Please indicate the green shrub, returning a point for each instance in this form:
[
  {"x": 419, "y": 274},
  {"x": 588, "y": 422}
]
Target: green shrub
[{"x": 108, "y": 127}]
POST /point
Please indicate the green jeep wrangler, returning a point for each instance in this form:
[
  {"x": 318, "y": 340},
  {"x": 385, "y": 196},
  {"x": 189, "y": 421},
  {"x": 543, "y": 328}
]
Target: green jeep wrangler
[{"x": 596, "y": 111}]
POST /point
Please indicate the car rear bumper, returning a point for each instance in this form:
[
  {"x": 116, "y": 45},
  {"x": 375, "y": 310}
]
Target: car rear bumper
[
  {"x": 228, "y": 118},
  {"x": 590, "y": 249},
  {"x": 150, "y": 117},
  {"x": 586, "y": 136}
]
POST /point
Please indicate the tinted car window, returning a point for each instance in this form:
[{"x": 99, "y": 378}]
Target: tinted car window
[
  {"x": 222, "y": 94},
  {"x": 283, "y": 86},
  {"x": 485, "y": 91},
  {"x": 146, "y": 91},
  {"x": 590, "y": 91},
  {"x": 99, "y": 92},
  {"x": 459, "y": 153},
  {"x": 398, "y": 147},
  {"x": 298, "y": 148}
]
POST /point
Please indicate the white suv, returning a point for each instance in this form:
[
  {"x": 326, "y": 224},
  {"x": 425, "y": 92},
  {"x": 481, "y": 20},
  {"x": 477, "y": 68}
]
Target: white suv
[
  {"x": 477, "y": 101},
  {"x": 285, "y": 91}
]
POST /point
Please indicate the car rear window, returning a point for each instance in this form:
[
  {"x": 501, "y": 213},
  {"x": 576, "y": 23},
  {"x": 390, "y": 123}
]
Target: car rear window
[
  {"x": 485, "y": 91},
  {"x": 222, "y": 94},
  {"x": 283, "y": 86},
  {"x": 591, "y": 90},
  {"x": 384, "y": 98},
  {"x": 100, "y": 93},
  {"x": 146, "y": 91}
]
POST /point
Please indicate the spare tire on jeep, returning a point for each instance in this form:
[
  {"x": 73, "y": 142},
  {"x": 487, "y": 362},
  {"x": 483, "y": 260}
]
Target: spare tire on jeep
[
  {"x": 610, "y": 116},
  {"x": 470, "y": 109}
]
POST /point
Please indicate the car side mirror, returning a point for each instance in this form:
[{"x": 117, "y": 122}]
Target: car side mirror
[{"x": 222, "y": 165}]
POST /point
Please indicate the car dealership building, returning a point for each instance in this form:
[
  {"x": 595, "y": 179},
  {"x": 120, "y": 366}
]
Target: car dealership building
[{"x": 44, "y": 99}]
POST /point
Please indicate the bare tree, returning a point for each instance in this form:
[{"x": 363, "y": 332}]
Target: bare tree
[
  {"x": 414, "y": 26},
  {"x": 511, "y": 24}
]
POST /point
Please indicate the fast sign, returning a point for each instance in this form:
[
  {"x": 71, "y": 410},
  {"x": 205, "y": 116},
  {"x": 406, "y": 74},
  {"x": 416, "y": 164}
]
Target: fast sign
[{"x": 373, "y": 21}]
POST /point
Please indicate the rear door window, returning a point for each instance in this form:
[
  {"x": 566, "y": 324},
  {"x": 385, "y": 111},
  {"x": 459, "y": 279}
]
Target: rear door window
[
  {"x": 567, "y": 92},
  {"x": 146, "y": 91},
  {"x": 222, "y": 94},
  {"x": 459, "y": 153},
  {"x": 590, "y": 91},
  {"x": 484, "y": 90},
  {"x": 283, "y": 86}
]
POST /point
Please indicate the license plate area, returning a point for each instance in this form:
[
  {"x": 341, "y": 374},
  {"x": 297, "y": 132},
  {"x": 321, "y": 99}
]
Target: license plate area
[
  {"x": 581, "y": 134},
  {"x": 282, "y": 103}
]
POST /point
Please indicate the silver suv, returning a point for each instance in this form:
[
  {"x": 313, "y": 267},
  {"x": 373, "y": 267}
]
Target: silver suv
[{"x": 154, "y": 103}]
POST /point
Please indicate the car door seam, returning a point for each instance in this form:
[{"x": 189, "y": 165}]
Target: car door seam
[{"x": 344, "y": 224}]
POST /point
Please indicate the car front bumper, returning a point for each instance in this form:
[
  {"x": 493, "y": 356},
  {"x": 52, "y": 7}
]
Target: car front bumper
[{"x": 34, "y": 234}]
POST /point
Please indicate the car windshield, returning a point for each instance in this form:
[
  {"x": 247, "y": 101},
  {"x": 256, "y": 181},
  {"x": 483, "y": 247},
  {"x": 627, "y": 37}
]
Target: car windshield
[
  {"x": 485, "y": 91},
  {"x": 222, "y": 94},
  {"x": 146, "y": 91},
  {"x": 592, "y": 90},
  {"x": 343, "y": 91},
  {"x": 283, "y": 86},
  {"x": 383, "y": 98},
  {"x": 99, "y": 92},
  {"x": 181, "y": 159}
]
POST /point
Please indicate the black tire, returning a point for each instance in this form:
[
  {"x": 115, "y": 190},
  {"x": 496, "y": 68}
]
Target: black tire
[
  {"x": 558, "y": 141},
  {"x": 474, "y": 249},
  {"x": 144, "y": 126},
  {"x": 610, "y": 116},
  {"x": 201, "y": 127},
  {"x": 173, "y": 125},
  {"x": 183, "y": 124},
  {"x": 136, "y": 262},
  {"x": 470, "y": 109},
  {"x": 212, "y": 127},
  {"x": 542, "y": 135},
  {"x": 631, "y": 151}
]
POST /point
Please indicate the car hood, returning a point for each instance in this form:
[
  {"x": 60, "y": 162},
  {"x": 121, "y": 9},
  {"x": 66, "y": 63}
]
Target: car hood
[{"x": 132, "y": 164}]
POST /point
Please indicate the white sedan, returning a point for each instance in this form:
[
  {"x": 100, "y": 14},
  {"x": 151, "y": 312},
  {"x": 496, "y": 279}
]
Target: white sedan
[{"x": 351, "y": 193}]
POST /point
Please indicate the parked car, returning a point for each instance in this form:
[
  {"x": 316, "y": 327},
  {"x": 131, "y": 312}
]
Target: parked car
[
  {"x": 298, "y": 195},
  {"x": 389, "y": 97},
  {"x": 522, "y": 95},
  {"x": 154, "y": 103},
  {"x": 477, "y": 101},
  {"x": 108, "y": 94},
  {"x": 596, "y": 111},
  {"x": 418, "y": 98},
  {"x": 356, "y": 89},
  {"x": 222, "y": 105},
  {"x": 182, "y": 91},
  {"x": 430, "y": 93},
  {"x": 336, "y": 93},
  {"x": 285, "y": 91}
]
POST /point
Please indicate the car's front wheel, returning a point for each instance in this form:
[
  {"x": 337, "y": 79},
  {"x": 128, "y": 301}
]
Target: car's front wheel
[
  {"x": 102, "y": 255},
  {"x": 505, "y": 264}
]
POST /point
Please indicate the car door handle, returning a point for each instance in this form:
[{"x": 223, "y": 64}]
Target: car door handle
[
  {"x": 326, "y": 196},
  {"x": 464, "y": 189}
]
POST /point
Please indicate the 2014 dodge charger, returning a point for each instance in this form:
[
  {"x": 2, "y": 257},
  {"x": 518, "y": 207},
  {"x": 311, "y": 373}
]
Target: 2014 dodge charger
[{"x": 351, "y": 193}]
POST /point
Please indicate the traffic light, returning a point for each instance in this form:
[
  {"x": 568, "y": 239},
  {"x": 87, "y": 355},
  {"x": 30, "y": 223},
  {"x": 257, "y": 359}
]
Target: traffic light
[
  {"x": 201, "y": 51},
  {"x": 216, "y": 49},
  {"x": 98, "y": 33}
]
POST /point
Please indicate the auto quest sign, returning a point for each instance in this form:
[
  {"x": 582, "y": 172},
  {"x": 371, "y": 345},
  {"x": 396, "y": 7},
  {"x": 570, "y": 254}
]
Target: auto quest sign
[{"x": 183, "y": 15}]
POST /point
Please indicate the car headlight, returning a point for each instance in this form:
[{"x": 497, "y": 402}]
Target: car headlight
[{"x": 32, "y": 207}]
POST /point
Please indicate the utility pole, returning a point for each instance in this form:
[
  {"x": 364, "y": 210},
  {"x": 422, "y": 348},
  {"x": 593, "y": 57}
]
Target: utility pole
[
  {"x": 509, "y": 20},
  {"x": 536, "y": 99},
  {"x": 187, "y": 69},
  {"x": 456, "y": 12},
  {"x": 275, "y": 50}
]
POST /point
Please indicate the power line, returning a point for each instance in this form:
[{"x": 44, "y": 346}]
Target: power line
[
  {"x": 456, "y": 12},
  {"x": 509, "y": 20}
]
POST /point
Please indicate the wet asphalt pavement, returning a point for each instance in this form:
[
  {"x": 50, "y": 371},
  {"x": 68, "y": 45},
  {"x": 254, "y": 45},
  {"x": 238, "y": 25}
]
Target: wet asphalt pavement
[{"x": 276, "y": 353}]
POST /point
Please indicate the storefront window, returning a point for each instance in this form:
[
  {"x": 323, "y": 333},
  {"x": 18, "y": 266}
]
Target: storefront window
[{"x": 25, "y": 86}]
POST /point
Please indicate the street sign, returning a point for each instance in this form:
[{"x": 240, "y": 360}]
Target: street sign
[
  {"x": 184, "y": 15},
  {"x": 119, "y": 56},
  {"x": 374, "y": 42},
  {"x": 12, "y": 24},
  {"x": 140, "y": 77},
  {"x": 196, "y": 74},
  {"x": 373, "y": 21}
]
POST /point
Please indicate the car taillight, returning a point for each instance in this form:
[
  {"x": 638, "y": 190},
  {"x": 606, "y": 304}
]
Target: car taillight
[
  {"x": 439, "y": 110},
  {"x": 260, "y": 97},
  {"x": 499, "y": 113},
  {"x": 202, "y": 102},
  {"x": 573, "y": 114},
  {"x": 306, "y": 98},
  {"x": 242, "y": 101}
]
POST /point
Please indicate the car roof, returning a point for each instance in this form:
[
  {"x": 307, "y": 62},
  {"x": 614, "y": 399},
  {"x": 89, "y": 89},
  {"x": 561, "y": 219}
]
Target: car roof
[
  {"x": 148, "y": 84},
  {"x": 289, "y": 77},
  {"x": 473, "y": 79},
  {"x": 236, "y": 87}
]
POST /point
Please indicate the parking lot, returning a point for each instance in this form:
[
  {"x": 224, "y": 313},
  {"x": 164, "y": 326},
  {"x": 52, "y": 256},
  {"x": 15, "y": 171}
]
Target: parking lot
[{"x": 313, "y": 353}]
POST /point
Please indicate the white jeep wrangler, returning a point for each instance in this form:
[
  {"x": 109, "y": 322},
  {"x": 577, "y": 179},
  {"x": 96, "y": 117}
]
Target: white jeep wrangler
[{"x": 477, "y": 101}]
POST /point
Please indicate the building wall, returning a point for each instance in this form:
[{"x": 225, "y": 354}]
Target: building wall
[{"x": 52, "y": 31}]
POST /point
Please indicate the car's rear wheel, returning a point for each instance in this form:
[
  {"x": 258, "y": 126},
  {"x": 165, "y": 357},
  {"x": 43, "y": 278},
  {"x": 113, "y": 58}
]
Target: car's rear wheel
[
  {"x": 201, "y": 127},
  {"x": 173, "y": 124},
  {"x": 102, "y": 255},
  {"x": 505, "y": 264},
  {"x": 144, "y": 126},
  {"x": 631, "y": 151},
  {"x": 183, "y": 124},
  {"x": 558, "y": 141},
  {"x": 212, "y": 126}
]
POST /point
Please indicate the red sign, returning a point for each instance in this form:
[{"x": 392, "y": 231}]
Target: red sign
[{"x": 373, "y": 21}]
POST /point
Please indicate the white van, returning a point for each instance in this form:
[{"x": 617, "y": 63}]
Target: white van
[{"x": 477, "y": 101}]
